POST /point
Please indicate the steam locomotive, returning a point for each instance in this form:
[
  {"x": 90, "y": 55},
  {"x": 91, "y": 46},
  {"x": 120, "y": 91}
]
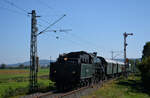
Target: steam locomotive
[{"x": 77, "y": 69}]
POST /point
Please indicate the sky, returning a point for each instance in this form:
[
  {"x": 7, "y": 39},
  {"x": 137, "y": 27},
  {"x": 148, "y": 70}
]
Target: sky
[{"x": 96, "y": 26}]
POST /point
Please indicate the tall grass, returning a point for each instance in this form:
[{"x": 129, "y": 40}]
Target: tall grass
[
  {"x": 121, "y": 88},
  {"x": 16, "y": 82}
]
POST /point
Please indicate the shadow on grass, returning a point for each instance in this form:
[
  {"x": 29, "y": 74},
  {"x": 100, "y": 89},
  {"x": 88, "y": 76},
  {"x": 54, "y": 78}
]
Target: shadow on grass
[{"x": 134, "y": 86}]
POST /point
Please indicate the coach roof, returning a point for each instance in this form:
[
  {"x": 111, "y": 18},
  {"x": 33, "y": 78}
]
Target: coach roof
[{"x": 114, "y": 61}]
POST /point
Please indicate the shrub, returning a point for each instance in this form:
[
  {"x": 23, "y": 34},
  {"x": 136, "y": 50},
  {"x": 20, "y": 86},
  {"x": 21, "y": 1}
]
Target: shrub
[
  {"x": 144, "y": 67},
  {"x": 10, "y": 91}
]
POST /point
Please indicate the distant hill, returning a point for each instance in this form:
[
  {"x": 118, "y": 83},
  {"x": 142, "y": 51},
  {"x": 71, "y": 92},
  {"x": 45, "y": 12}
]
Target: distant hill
[
  {"x": 27, "y": 63},
  {"x": 46, "y": 62}
]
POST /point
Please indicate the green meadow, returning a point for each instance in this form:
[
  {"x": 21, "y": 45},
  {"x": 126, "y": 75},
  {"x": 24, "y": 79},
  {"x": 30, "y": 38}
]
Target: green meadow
[
  {"x": 15, "y": 82},
  {"x": 121, "y": 88}
]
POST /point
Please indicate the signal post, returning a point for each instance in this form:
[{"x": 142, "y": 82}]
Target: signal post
[{"x": 125, "y": 58}]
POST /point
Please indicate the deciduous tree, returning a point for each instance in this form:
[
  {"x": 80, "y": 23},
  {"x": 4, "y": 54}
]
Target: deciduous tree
[
  {"x": 146, "y": 50},
  {"x": 3, "y": 66}
]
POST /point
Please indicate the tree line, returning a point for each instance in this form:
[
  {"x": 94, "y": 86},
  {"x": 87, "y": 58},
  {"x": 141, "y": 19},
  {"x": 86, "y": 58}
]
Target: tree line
[{"x": 21, "y": 66}]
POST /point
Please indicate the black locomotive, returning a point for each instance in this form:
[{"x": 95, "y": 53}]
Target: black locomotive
[{"x": 76, "y": 69}]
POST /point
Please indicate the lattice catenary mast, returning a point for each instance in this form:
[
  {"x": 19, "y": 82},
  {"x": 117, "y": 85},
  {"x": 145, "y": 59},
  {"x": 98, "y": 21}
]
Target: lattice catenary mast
[
  {"x": 33, "y": 53},
  {"x": 33, "y": 49}
]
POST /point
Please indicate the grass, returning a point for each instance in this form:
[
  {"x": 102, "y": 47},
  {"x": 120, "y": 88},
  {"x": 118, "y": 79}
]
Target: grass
[
  {"x": 14, "y": 82},
  {"x": 121, "y": 88}
]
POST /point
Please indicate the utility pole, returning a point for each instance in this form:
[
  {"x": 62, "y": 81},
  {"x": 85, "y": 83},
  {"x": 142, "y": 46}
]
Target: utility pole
[
  {"x": 112, "y": 55},
  {"x": 33, "y": 53},
  {"x": 125, "y": 45},
  {"x": 34, "y": 60}
]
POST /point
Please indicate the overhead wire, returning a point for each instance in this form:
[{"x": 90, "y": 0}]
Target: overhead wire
[
  {"x": 83, "y": 46},
  {"x": 57, "y": 36},
  {"x": 24, "y": 12},
  {"x": 85, "y": 41},
  {"x": 13, "y": 11},
  {"x": 81, "y": 40},
  {"x": 52, "y": 24},
  {"x": 75, "y": 42},
  {"x": 21, "y": 9},
  {"x": 46, "y": 5},
  {"x": 44, "y": 20},
  {"x": 41, "y": 25},
  {"x": 43, "y": 3},
  {"x": 50, "y": 7},
  {"x": 16, "y": 6}
]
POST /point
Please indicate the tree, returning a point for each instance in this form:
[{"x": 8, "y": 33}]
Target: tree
[
  {"x": 21, "y": 66},
  {"x": 3, "y": 66},
  {"x": 144, "y": 66},
  {"x": 134, "y": 63},
  {"x": 146, "y": 50}
]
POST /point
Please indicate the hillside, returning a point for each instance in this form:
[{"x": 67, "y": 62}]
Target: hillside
[{"x": 27, "y": 63}]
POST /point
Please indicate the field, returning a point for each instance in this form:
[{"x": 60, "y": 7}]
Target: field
[
  {"x": 14, "y": 82},
  {"x": 121, "y": 88}
]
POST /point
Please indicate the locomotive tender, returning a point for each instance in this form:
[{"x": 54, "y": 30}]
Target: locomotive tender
[{"x": 76, "y": 69}]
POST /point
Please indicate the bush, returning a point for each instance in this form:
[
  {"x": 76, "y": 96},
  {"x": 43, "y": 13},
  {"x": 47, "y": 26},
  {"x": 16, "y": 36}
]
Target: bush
[
  {"x": 10, "y": 92},
  {"x": 144, "y": 67}
]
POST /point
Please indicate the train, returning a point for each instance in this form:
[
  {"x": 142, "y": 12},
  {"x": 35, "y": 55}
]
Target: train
[{"x": 78, "y": 69}]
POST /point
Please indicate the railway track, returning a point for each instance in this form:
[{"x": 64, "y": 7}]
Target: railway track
[
  {"x": 77, "y": 93},
  {"x": 72, "y": 94}
]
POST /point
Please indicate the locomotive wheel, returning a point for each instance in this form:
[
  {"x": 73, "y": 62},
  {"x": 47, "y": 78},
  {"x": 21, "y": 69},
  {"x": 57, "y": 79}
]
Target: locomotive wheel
[
  {"x": 88, "y": 82},
  {"x": 93, "y": 81},
  {"x": 58, "y": 87}
]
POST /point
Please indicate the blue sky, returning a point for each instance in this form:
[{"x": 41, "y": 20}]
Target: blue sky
[{"x": 97, "y": 25}]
